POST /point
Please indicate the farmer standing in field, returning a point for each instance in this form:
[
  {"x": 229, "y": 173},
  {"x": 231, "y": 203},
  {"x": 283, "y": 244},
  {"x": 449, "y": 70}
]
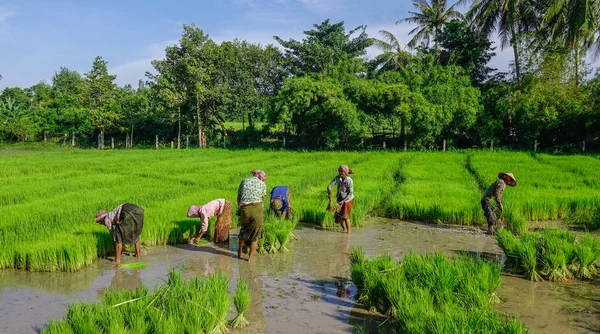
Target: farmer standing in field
[
  {"x": 344, "y": 197},
  {"x": 280, "y": 202},
  {"x": 491, "y": 202},
  {"x": 250, "y": 197},
  {"x": 222, "y": 209},
  {"x": 125, "y": 224}
]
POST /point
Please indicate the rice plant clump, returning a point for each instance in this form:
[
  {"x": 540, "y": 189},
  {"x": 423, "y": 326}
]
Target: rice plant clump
[
  {"x": 432, "y": 293},
  {"x": 196, "y": 306},
  {"x": 551, "y": 254},
  {"x": 276, "y": 235},
  {"x": 241, "y": 300}
]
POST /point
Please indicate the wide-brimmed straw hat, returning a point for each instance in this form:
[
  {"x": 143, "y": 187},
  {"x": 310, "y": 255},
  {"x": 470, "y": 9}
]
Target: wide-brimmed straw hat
[{"x": 511, "y": 176}]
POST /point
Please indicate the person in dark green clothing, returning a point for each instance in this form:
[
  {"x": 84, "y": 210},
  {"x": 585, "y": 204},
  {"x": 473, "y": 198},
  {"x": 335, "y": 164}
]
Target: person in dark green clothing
[
  {"x": 125, "y": 224},
  {"x": 491, "y": 202}
]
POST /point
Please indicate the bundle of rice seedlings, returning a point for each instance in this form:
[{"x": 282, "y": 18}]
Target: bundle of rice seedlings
[
  {"x": 357, "y": 255},
  {"x": 241, "y": 300},
  {"x": 514, "y": 222},
  {"x": 333, "y": 205},
  {"x": 510, "y": 246},
  {"x": 555, "y": 260},
  {"x": 282, "y": 238},
  {"x": 528, "y": 255},
  {"x": 587, "y": 252}
]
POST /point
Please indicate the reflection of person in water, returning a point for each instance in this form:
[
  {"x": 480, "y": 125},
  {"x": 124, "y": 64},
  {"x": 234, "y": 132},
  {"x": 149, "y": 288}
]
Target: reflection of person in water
[{"x": 126, "y": 279}]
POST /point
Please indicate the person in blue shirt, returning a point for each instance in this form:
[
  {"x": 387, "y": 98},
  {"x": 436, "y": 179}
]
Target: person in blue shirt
[{"x": 280, "y": 202}]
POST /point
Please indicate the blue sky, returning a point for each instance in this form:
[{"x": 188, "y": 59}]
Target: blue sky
[{"x": 38, "y": 37}]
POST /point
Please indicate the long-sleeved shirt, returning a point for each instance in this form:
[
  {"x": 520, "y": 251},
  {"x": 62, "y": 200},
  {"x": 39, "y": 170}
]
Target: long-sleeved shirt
[
  {"x": 494, "y": 192},
  {"x": 209, "y": 210},
  {"x": 112, "y": 218},
  {"x": 251, "y": 190},
  {"x": 282, "y": 191},
  {"x": 345, "y": 188}
]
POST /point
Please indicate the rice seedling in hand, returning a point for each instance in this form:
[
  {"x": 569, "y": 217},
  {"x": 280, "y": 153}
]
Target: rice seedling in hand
[{"x": 241, "y": 300}]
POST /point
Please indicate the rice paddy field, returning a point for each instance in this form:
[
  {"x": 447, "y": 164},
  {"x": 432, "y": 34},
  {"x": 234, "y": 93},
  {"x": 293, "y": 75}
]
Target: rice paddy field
[{"x": 48, "y": 198}]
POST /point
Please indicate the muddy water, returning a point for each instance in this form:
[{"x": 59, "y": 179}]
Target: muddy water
[{"x": 306, "y": 290}]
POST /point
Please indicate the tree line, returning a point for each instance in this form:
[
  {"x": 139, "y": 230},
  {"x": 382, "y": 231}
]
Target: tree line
[{"x": 323, "y": 92}]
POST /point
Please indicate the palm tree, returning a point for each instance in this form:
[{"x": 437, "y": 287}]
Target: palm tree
[
  {"x": 572, "y": 23},
  {"x": 509, "y": 18},
  {"x": 429, "y": 19},
  {"x": 393, "y": 56}
]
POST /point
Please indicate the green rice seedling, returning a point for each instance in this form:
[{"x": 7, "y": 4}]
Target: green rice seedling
[
  {"x": 514, "y": 222},
  {"x": 241, "y": 300},
  {"x": 134, "y": 265},
  {"x": 587, "y": 252},
  {"x": 555, "y": 260},
  {"x": 432, "y": 293},
  {"x": 528, "y": 253},
  {"x": 510, "y": 245},
  {"x": 172, "y": 308},
  {"x": 549, "y": 187}
]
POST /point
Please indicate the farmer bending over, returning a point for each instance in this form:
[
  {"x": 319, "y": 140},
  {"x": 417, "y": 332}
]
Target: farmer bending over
[
  {"x": 250, "y": 197},
  {"x": 125, "y": 224},
  {"x": 491, "y": 202},
  {"x": 220, "y": 208},
  {"x": 345, "y": 196},
  {"x": 280, "y": 202}
]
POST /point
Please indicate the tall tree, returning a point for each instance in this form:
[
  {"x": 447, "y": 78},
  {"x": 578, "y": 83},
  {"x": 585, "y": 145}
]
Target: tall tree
[
  {"x": 393, "y": 54},
  {"x": 510, "y": 18},
  {"x": 100, "y": 94},
  {"x": 572, "y": 23},
  {"x": 430, "y": 18},
  {"x": 324, "y": 47},
  {"x": 469, "y": 49}
]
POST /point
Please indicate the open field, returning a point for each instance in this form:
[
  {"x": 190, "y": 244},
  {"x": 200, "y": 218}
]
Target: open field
[{"x": 48, "y": 198}]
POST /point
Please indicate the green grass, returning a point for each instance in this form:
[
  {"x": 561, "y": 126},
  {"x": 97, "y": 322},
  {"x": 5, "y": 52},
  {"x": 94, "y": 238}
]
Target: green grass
[
  {"x": 48, "y": 198},
  {"x": 432, "y": 293},
  {"x": 196, "y": 306}
]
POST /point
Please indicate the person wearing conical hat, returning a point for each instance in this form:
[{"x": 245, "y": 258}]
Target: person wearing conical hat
[
  {"x": 491, "y": 202},
  {"x": 281, "y": 203}
]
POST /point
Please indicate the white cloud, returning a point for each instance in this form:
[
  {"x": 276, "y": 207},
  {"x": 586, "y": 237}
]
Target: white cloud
[
  {"x": 5, "y": 14},
  {"x": 131, "y": 72},
  {"x": 322, "y": 6}
]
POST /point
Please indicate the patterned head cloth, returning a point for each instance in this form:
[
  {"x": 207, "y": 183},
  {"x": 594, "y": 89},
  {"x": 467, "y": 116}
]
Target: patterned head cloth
[
  {"x": 259, "y": 174},
  {"x": 346, "y": 169},
  {"x": 194, "y": 211},
  {"x": 100, "y": 216}
]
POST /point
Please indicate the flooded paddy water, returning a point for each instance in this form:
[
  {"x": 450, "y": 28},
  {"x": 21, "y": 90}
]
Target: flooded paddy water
[{"x": 305, "y": 290}]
